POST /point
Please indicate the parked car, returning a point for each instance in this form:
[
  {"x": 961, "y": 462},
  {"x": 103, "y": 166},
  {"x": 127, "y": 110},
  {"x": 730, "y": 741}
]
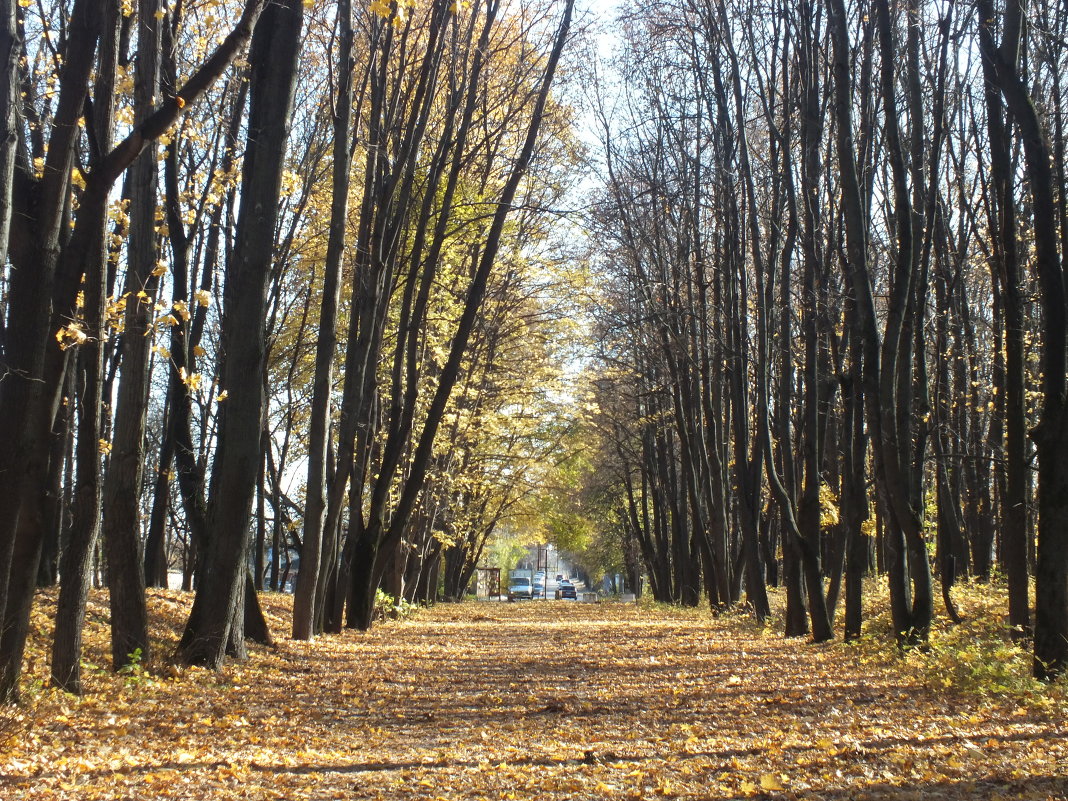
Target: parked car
[
  {"x": 519, "y": 589},
  {"x": 565, "y": 589}
]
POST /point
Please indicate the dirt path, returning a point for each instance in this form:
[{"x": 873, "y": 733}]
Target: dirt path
[{"x": 537, "y": 700}]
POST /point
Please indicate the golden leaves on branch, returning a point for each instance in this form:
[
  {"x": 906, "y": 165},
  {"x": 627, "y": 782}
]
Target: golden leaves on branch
[
  {"x": 192, "y": 380},
  {"x": 71, "y": 335}
]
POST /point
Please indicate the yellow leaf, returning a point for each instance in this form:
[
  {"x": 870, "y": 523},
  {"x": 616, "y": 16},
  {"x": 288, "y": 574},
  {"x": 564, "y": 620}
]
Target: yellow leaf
[
  {"x": 71, "y": 335},
  {"x": 191, "y": 380},
  {"x": 769, "y": 781}
]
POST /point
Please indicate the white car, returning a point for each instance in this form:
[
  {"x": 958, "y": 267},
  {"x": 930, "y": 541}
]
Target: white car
[{"x": 519, "y": 589}]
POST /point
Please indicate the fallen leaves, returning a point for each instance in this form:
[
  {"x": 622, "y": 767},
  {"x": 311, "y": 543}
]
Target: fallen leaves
[
  {"x": 769, "y": 781},
  {"x": 522, "y": 701}
]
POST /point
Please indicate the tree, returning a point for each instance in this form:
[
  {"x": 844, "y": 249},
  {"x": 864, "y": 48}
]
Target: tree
[
  {"x": 1051, "y": 435},
  {"x": 216, "y": 620},
  {"x": 311, "y": 583},
  {"x": 9, "y": 99},
  {"x": 122, "y": 486},
  {"x": 32, "y": 361},
  {"x": 89, "y": 369}
]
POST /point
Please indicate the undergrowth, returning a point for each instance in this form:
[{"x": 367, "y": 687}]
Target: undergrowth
[
  {"x": 389, "y": 608},
  {"x": 978, "y": 656}
]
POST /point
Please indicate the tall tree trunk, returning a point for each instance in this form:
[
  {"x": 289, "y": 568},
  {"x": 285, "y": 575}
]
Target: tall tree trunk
[
  {"x": 10, "y": 47},
  {"x": 311, "y": 581},
  {"x": 26, "y": 405},
  {"x": 85, "y": 525},
  {"x": 122, "y": 486},
  {"x": 1051, "y": 436},
  {"x": 950, "y": 532},
  {"x": 1006, "y": 258},
  {"x": 48, "y": 571},
  {"x": 76, "y": 566},
  {"x": 273, "y": 60},
  {"x": 155, "y": 567},
  {"x": 911, "y": 598}
]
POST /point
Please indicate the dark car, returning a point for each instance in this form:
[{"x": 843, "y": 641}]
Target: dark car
[{"x": 565, "y": 589}]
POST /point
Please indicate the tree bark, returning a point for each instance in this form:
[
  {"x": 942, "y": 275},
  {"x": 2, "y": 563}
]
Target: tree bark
[
  {"x": 1051, "y": 435},
  {"x": 311, "y": 579},
  {"x": 27, "y": 403},
  {"x": 122, "y": 486},
  {"x": 1006, "y": 259},
  {"x": 10, "y": 47},
  {"x": 273, "y": 59},
  {"x": 85, "y": 525}
]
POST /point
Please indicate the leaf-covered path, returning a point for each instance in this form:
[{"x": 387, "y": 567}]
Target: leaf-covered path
[{"x": 539, "y": 700}]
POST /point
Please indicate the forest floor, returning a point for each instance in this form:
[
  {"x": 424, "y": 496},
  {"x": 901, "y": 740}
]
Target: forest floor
[{"x": 553, "y": 700}]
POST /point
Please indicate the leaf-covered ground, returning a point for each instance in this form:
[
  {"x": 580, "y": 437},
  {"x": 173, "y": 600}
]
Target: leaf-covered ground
[{"x": 552, "y": 700}]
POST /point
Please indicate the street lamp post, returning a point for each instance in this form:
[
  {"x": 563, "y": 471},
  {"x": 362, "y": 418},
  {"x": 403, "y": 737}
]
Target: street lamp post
[{"x": 545, "y": 586}]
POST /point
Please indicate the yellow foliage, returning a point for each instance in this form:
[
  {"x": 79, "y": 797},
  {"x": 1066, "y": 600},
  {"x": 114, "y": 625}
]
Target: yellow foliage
[
  {"x": 828, "y": 507},
  {"x": 71, "y": 335},
  {"x": 191, "y": 380}
]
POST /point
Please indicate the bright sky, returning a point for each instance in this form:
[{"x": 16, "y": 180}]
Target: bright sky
[{"x": 603, "y": 11}]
